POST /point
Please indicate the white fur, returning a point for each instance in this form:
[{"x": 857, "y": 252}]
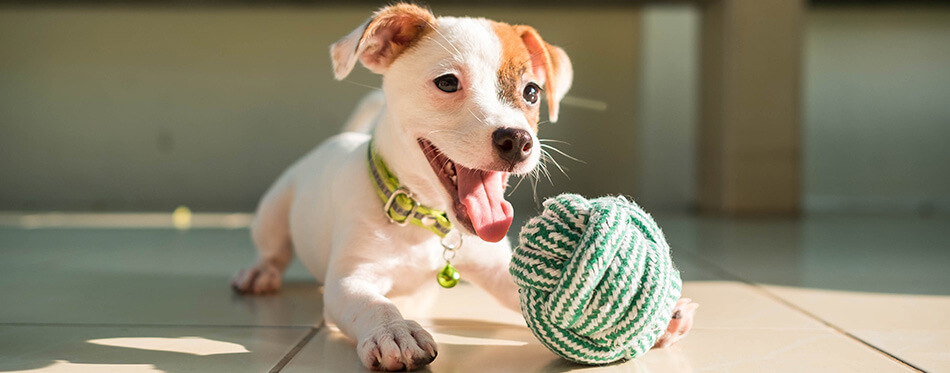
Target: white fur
[{"x": 325, "y": 207}]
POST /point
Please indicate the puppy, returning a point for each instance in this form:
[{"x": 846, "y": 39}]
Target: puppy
[{"x": 458, "y": 115}]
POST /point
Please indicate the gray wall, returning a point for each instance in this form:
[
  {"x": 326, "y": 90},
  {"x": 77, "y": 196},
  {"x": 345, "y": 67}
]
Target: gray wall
[
  {"x": 668, "y": 107},
  {"x": 149, "y": 108},
  {"x": 876, "y": 128},
  {"x": 877, "y": 118}
]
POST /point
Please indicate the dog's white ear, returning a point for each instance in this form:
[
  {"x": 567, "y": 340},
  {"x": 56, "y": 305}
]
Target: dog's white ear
[
  {"x": 550, "y": 63},
  {"x": 379, "y": 40}
]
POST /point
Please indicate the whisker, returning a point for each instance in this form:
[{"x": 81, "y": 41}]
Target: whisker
[
  {"x": 562, "y": 153},
  {"x": 534, "y": 187},
  {"x": 362, "y": 85},
  {"x": 430, "y": 153},
  {"x": 552, "y": 160},
  {"x": 476, "y": 117},
  {"x": 517, "y": 185},
  {"x": 445, "y": 130},
  {"x": 536, "y": 54},
  {"x": 455, "y": 56},
  {"x": 546, "y": 173},
  {"x": 458, "y": 54}
]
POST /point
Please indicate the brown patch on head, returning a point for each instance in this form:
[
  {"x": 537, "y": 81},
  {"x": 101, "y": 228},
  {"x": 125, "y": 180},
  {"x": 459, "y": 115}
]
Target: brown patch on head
[
  {"x": 515, "y": 65},
  {"x": 381, "y": 39},
  {"x": 549, "y": 64},
  {"x": 398, "y": 26}
]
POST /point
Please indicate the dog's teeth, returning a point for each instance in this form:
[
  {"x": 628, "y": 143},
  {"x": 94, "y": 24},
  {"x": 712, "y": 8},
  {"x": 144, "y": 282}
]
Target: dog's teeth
[
  {"x": 454, "y": 179},
  {"x": 450, "y": 167}
]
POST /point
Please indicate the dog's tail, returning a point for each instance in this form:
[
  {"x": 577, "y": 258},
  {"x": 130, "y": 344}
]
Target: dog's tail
[{"x": 367, "y": 112}]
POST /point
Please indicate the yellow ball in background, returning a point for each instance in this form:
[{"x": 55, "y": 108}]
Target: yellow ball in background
[{"x": 181, "y": 217}]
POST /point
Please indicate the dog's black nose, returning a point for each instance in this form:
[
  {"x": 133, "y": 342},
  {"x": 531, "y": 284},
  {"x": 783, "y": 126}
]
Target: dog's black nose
[{"x": 512, "y": 144}]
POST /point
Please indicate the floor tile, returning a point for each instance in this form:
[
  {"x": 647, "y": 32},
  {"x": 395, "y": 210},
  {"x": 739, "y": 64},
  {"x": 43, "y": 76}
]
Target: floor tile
[
  {"x": 144, "y": 349},
  {"x": 157, "y": 299},
  {"x": 890, "y": 254},
  {"x": 141, "y": 277},
  {"x": 748, "y": 350},
  {"x": 735, "y": 323},
  {"x": 731, "y": 304},
  {"x": 486, "y": 347},
  {"x": 879, "y": 278},
  {"x": 924, "y": 349},
  {"x": 723, "y": 304},
  {"x": 469, "y": 303},
  {"x": 914, "y": 328},
  {"x": 693, "y": 270},
  {"x": 734, "y": 305}
]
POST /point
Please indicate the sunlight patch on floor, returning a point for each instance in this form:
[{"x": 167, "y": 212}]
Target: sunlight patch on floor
[
  {"x": 450, "y": 339},
  {"x": 186, "y": 345},
  {"x": 62, "y": 366}
]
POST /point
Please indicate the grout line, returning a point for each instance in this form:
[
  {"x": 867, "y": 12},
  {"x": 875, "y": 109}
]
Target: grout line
[
  {"x": 834, "y": 327},
  {"x": 729, "y": 275},
  {"x": 133, "y": 325},
  {"x": 296, "y": 349}
]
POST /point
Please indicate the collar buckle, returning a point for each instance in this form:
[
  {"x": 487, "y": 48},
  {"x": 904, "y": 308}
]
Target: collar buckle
[{"x": 392, "y": 199}]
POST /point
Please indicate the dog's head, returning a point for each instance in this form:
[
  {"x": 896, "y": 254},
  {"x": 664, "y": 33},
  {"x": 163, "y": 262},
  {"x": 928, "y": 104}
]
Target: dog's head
[{"x": 469, "y": 91}]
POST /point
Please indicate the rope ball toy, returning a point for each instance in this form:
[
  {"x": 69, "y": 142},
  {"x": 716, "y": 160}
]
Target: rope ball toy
[{"x": 596, "y": 280}]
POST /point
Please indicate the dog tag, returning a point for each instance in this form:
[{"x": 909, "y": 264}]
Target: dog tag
[{"x": 448, "y": 277}]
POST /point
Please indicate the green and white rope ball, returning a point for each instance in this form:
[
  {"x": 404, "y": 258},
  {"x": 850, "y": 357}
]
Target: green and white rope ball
[{"x": 596, "y": 281}]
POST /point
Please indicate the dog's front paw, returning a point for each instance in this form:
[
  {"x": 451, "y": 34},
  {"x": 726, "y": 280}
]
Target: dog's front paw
[
  {"x": 400, "y": 345},
  {"x": 262, "y": 278},
  {"x": 680, "y": 323}
]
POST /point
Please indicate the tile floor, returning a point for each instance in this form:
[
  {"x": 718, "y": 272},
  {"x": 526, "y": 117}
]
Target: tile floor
[{"x": 127, "y": 293}]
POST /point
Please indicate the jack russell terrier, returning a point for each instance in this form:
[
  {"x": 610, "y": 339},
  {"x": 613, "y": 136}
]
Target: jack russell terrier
[{"x": 378, "y": 216}]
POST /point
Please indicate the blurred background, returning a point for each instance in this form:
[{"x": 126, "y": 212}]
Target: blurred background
[{"x": 808, "y": 107}]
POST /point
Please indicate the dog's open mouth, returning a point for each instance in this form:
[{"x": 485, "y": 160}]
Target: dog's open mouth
[{"x": 478, "y": 196}]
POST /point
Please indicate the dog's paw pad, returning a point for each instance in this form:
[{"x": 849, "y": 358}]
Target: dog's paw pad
[
  {"x": 263, "y": 278},
  {"x": 680, "y": 323},
  {"x": 401, "y": 345}
]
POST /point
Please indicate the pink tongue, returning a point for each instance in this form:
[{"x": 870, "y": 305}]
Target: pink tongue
[{"x": 483, "y": 194}]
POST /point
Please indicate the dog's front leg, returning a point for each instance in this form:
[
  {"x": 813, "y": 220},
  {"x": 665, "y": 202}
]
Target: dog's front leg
[
  {"x": 486, "y": 265},
  {"x": 355, "y": 302}
]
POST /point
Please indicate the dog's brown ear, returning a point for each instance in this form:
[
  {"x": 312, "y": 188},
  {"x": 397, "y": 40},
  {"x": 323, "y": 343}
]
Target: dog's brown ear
[
  {"x": 551, "y": 64},
  {"x": 379, "y": 40}
]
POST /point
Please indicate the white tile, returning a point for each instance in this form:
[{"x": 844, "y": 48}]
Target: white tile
[
  {"x": 735, "y": 305},
  {"x": 503, "y": 348},
  {"x": 749, "y": 350},
  {"x": 155, "y": 277},
  {"x": 737, "y": 328},
  {"x": 914, "y": 328},
  {"x": 144, "y": 349},
  {"x": 924, "y": 349}
]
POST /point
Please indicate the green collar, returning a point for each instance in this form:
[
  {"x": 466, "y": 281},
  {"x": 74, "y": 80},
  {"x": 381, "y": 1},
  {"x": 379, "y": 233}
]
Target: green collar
[{"x": 398, "y": 203}]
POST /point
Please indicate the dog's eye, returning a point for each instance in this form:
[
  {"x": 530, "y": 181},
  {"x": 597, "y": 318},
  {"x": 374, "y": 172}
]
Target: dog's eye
[
  {"x": 447, "y": 83},
  {"x": 531, "y": 92}
]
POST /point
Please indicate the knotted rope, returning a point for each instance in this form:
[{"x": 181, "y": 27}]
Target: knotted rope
[{"x": 597, "y": 283}]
